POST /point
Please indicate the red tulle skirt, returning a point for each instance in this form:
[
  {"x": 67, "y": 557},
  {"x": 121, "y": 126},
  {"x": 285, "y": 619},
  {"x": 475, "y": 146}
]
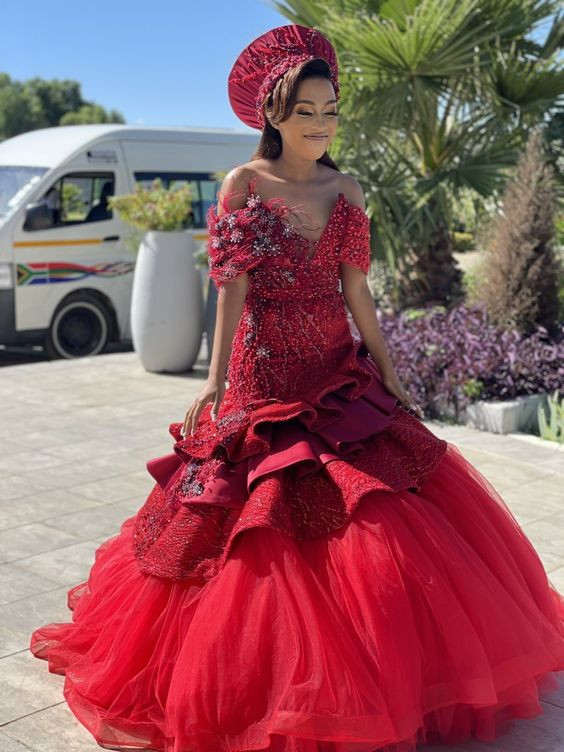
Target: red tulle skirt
[{"x": 428, "y": 617}]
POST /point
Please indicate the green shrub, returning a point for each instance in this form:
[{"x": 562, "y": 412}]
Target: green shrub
[
  {"x": 155, "y": 208},
  {"x": 553, "y": 428},
  {"x": 463, "y": 241}
]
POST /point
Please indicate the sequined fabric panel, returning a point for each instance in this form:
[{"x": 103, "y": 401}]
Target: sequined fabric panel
[
  {"x": 293, "y": 330},
  {"x": 178, "y": 539}
]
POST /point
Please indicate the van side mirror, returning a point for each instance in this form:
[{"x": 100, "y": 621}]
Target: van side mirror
[{"x": 38, "y": 216}]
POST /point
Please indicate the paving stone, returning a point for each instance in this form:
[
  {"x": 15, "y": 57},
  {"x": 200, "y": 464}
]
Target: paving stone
[
  {"x": 552, "y": 483},
  {"x": 7, "y": 744},
  {"x": 41, "y": 506},
  {"x": 54, "y": 729},
  {"x": 94, "y": 522},
  {"x": 545, "y": 733},
  {"x": 547, "y": 537},
  {"x": 65, "y": 565},
  {"x": 556, "y": 576},
  {"x": 506, "y": 474},
  {"x": 28, "y": 540},
  {"x": 16, "y": 486},
  {"x": 556, "y": 697},
  {"x": 74, "y": 442},
  {"x": 529, "y": 505},
  {"x": 17, "y": 583},
  {"x": 116, "y": 488},
  {"x": 26, "y": 686},
  {"x": 20, "y": 618}
]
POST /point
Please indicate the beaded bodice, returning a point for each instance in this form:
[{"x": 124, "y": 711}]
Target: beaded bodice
[{"x": 293, "y": 332}]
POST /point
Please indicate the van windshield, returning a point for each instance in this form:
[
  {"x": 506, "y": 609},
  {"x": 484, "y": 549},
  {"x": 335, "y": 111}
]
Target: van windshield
[{"x": 15, "y": 184}]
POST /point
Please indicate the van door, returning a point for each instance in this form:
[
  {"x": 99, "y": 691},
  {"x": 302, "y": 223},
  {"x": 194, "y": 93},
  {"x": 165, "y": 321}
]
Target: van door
[{"x": 79, "y": 257}]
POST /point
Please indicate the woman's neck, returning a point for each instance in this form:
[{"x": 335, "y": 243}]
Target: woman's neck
[{"x": 293, "y": 168}]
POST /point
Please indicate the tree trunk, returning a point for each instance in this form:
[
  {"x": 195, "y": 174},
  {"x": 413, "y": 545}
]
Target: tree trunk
[{"x": 432, "y": 275}]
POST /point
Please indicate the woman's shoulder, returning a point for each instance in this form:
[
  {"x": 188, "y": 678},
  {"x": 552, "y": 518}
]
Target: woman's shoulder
[
  {"x": 240, "y": 181},
  {"x": 352, "y": 190},
  {"x": 237, "y": 185}
]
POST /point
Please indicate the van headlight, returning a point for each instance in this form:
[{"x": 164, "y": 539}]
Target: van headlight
[{"x": 6, "y": 276}]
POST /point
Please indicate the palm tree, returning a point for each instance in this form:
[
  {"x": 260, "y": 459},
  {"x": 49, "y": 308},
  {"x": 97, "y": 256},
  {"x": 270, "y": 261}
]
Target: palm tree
[{"x": 437, "y": 95}]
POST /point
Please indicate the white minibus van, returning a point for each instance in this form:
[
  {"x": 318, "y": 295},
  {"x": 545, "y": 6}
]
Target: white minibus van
[{"x": 65, "y": 270}]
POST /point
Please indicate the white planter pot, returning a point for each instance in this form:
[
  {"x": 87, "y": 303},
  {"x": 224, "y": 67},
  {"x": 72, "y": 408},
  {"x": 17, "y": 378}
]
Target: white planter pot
[
  {"x": 499, "y": 416},
  {"x": 210, "y": 316},
  {"x": 167, "y": 312}
]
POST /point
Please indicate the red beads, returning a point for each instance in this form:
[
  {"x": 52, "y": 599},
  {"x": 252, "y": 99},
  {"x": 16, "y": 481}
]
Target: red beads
[
  {"x": 305, "y": 427},
  {"x": 293, "y": 330}
]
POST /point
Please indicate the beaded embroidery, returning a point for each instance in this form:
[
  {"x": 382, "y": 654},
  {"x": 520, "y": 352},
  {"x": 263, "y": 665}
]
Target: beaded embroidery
[
  {"x": 290, "y": 285},
  {"x": 293, "y": 347}
]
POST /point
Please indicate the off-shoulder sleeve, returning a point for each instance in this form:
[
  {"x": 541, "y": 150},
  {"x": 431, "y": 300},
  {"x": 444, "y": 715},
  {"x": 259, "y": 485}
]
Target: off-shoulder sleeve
[
  {"x": 231, "y": 247},
  {"x": 355, "y": 247}
]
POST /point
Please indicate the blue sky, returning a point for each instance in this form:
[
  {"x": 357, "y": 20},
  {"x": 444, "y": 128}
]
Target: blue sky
[{"x": 160, "y": 63}]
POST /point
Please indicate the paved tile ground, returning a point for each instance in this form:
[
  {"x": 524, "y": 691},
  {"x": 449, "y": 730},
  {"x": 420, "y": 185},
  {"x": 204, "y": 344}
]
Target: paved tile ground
[{"x": 74, "y": 439}]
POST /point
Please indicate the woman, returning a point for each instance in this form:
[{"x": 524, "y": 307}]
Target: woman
[{"x": 314, "y": 569}]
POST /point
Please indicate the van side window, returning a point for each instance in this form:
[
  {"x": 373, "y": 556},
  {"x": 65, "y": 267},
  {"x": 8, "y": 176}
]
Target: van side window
[
  {"x": 80, "y": 197},
  {"x": 203, "y": 187}
]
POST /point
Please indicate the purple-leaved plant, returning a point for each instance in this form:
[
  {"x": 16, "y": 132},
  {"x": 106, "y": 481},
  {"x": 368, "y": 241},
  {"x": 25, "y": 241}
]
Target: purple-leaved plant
[{"x": 457, "y": 356}]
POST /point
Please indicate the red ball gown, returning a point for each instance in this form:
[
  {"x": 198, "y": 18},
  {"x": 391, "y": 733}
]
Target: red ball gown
[{"x": 314, "y": 570}]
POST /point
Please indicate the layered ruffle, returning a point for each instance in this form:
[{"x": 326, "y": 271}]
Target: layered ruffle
[
  {"x": 300, "y": 467},
  {"x": 244, "y": 425}
]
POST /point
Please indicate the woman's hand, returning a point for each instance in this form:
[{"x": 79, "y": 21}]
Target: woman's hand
[
  {"x": 393, "y": 385},
  {"x": 213, "y": 389}
]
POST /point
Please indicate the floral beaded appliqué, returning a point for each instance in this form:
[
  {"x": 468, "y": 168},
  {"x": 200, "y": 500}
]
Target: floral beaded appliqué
[
  {"x": 240, "y": 239},
  {"x": 355, "y": 249}
]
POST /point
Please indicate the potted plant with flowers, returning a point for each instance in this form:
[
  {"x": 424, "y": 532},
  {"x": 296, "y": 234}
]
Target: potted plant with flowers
[{"x": 167, "y": 311}]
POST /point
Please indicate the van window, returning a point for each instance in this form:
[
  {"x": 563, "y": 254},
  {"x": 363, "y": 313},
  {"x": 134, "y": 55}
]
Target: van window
[
  {"x": 80, "y": 197},
  {"x": 15, "y": 183},
  {"x": 202, "y": 185}
]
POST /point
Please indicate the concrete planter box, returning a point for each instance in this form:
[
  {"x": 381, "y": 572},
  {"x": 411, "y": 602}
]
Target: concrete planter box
[
  {"x": 498, "y": 416},
  {"x": 167, "y": 310}
]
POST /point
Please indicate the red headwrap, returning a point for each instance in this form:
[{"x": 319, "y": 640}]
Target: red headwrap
[{"x": 266, "y": 59}]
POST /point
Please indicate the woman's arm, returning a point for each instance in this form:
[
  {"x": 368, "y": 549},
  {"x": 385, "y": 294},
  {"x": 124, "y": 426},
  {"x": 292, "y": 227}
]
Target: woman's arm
[
  {"x": 230, "y": 300},
  {"x": 358, "y": 296},
  {"x": 232, "y": 293},
  {"x": 361, "y": 305}
]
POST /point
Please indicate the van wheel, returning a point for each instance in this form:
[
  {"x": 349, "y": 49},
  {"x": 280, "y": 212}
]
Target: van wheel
[{"x": 81, "y": 326}]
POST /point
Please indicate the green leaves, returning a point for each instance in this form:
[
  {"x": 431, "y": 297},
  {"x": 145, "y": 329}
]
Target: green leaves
[
  {"x": 154, "y": 208},
  {"x": 437, "y": 96}
]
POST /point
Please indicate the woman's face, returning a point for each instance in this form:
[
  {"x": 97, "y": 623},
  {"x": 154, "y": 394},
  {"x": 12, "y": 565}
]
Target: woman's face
[{"x": 312, "y": 123}]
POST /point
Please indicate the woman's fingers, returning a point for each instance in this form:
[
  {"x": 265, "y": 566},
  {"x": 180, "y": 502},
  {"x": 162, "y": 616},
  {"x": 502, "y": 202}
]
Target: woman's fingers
[
  {"x": 185, "y": 424},
  {"x": 192, "y": 416},
  {"x": 414, "y": 407},
  {"x": 410, "y": 404},
  {"x": 195, "y": 416},
  {"x": 193, "y": 412},
  {"x": 188, "y": 420},
  {"x": 214, "y": 409}
]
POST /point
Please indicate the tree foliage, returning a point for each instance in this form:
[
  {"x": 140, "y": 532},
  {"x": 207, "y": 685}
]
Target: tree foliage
[
  {"x": 437, "y": 96},
  {"x": 37, "y": 103},
  {"x": 521, "y": 289}
]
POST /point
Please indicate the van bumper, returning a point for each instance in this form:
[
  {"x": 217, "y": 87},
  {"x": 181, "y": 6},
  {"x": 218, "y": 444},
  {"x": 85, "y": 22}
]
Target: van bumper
[{"x": 8, "y": 333}]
